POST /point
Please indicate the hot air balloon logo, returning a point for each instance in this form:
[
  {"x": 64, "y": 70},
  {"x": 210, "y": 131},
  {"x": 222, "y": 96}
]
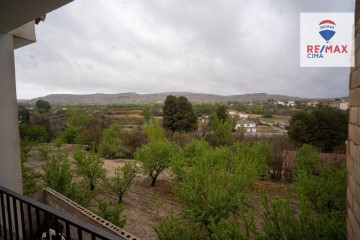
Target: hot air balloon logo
[{"x": 327, "y": 29}]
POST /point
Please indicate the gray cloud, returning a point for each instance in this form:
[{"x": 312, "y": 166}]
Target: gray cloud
[{"x": 211, "y": 46}]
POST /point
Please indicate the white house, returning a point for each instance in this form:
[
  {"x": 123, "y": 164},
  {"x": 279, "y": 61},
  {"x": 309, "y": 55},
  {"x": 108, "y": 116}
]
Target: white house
[
  {"x": 312, "y": 103},
  {"x": 280, "y": 103},
  {"x": 291, "y": 103},
  {"x": 248, "y": 126},
  {"x": 344, "y": 106}
]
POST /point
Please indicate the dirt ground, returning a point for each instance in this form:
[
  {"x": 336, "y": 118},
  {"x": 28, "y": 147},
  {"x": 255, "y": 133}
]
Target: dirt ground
[{"x": 139, "y": 203}]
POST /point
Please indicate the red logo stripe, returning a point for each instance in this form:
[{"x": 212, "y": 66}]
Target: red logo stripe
[{"x": 327, "y": 21}]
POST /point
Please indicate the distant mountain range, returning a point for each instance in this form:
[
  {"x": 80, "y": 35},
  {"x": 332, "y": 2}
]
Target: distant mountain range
[{"x": 127, "y": 98}]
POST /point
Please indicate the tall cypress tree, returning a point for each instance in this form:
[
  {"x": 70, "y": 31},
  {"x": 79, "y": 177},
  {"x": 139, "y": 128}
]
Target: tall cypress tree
[
  {"x": 169, "y": 111},
  {"x": 178, "y": 114}
]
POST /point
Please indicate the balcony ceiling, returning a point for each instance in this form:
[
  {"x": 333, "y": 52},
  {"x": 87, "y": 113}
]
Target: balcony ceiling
[{"x": 15, "y": 13}]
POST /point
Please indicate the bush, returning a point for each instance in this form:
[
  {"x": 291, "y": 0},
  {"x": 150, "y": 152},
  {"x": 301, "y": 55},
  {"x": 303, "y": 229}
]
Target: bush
[
  {"x": 71, "y": 136},
  {"x": 110, "y": 141},
  {"x": 322, "y": 194},
  {"x": 30, "y": 180},
  {"x": 130, "y": 141},
  {"x": 214, "y": 184},
  {"x": 324, "y": 186},
  {"x": 34, "y": 133},
  {"x": 111, "y": 213},
  {"x": 44, "y": 152},
  {"x": 176, "y": 228},
  {"x": 57, "y": 173},
  {"x": 282, "y": 221}
]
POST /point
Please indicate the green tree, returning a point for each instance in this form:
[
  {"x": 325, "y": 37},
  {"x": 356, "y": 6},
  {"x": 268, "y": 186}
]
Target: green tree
[
  {"x": 147, "y": 114},
  {"x": 221, "y": 132},
  {"x": 155, "y": 157},
  {"x": 122, "y": 180},
  {"x": 178, "y": 114},
  {"x": 214, "y": 184},
  {"x": 57, "y": 173},
  {"x": 323, "y": 127},
  {"x": 154, "y": 132},
  {"x": 90, "y": 167},
  {"x": 169, "y": 112},
  {"x": 221, "y": 113},
  {"x": 42, "y": 105},
  {"x": 110, "y": 141}
]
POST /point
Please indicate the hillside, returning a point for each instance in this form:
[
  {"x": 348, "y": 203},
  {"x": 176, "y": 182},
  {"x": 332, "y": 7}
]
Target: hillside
[{"x": 127, "y": 98}]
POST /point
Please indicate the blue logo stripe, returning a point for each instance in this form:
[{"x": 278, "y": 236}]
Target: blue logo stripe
[{"x": 322, "y": 49}]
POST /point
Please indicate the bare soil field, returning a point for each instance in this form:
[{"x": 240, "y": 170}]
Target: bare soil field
[{"x": 140, "y": 210}]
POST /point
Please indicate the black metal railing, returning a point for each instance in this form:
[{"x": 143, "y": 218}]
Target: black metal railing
[{"x": 24, "y": 218}]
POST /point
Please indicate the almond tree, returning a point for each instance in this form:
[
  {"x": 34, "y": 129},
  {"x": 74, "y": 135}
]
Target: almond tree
[
  {"x": 122, "y": 180},
  {"x": 155, "y": 157}
]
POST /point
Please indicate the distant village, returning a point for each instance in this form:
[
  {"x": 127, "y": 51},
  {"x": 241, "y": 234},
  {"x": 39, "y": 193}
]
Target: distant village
[{"x": 262, "y": 125}]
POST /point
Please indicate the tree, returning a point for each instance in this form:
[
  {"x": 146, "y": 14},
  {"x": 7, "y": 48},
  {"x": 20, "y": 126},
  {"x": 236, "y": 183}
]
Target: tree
[
  {"x": 90, "y": 167},
  {"x": 323, "y": 127},
  {"x": 186, "y": 119},
  {"x": 147, "y": 114},
  {"x": 110, "y": 141},
  {"x": 154, "y": 132},
  {"x": 122, "y": 180},
  {"x": 169, "y": 111},
  {"x": 214, "y": 183},
  {"x": 221, "y": 131},
  {"x": 221, "y": 113},
  {"x": 57, "y": 173},
  {"x": 42, "y": 105},
  {"x": 178, "y": 114},
  {"x": 155, "y": 157}
]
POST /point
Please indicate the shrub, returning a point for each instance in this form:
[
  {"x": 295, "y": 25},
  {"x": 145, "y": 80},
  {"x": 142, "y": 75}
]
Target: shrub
[
  {"x": 176, "y": 228},
  {"x": 214, "y": 186},
  {"x": 57, "y": 173},
  {"x": 110, "y": 141},
  {"x": 34, "y": 133},
  {"x": 111, "y": 213}
]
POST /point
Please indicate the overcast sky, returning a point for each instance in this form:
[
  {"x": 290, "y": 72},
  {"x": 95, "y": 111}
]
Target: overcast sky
[{"x": 224, "y": 47}]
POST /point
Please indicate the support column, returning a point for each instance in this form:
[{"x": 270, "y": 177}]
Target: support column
[{"x": 10, "y": 165}]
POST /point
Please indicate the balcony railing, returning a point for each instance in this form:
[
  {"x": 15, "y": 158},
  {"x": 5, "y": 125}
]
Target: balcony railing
[{"x": 24, "y": 218}]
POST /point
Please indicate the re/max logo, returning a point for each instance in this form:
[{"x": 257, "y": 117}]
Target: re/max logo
[
  {"x": 316, "y": 51},
  {"x": 326, "y": 49}
]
